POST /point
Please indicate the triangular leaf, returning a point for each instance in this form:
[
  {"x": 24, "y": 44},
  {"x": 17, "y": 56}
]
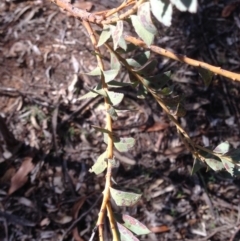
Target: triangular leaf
[
  {"x": 157, "y": 82},
  {"x": 117, "y": 84},
  {"x": 133, "y": 63},
  {"x": 229, "y": 166},
  {"x": 95, "y": 72},
  {"x": 142, "y": 92},
  {"x": 144, "y": 14},
  {"x": 98, "y": 90},
  {"x": 100, "y": 165},
  {"x": 144, "y": 34},
  {"x": 162, "y": 11},
  {"x": 186, "y": 5},
  {"x": 115, "y": 64},
  {"x": 111, "y": 111},
  {"x": 222, "y": 148},
  {"x": 134, "y": 225},
  {"x": 214, "y": 164},
  {"x": 117, "y": 32},
  {"x": 88, "y": 95},
  {"x": 124, "y": 199},
  {"x": 147, "y": 68},
  {"x": 206, "y": 75},
  {"x": 115, "y": 98},
  {"x": 122, "y": 43},
  {"x": 167, "y": 90},
  {"x": 124, "y": 144},
  {"x": 125, "y": 234},
  {"x": 105, "y": 35},
  {"x": 142, "y": 58},
  {"x": 110, "y": 74},
  {"x": 197, "y": 165},
  {"x": 234, "y": 155}
]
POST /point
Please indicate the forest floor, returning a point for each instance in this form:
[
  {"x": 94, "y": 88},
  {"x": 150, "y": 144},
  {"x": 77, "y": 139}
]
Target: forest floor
[{"x": 47, "y": 143}]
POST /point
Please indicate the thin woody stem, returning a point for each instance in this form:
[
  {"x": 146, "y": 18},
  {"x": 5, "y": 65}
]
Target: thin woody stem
[
  {"x": 106, "y": 192},
  {"x": 97, "y": 18},
  {"x": 124, "y": 15},
  {"x": 183, "y": 58},
  {"x": 77, "y": 12},
  {"x": 122, "y": 6},
  {"x": 112, "y": 222},
  {"x": 189, "y": 143}
]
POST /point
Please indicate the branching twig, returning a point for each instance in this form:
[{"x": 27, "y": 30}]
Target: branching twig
[
  {"x": 184, "y": 59},
  {"x": 124, "y": 15}
]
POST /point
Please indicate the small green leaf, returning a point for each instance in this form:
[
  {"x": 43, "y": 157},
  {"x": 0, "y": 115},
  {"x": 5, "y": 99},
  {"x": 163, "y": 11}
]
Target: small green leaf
[
  {"x": 144, "y": 15},
  {"x": 222, "y": 148},
  {"x": 147, "y": 68},
  {"x": 117, "y": 84},
  {"x": 124, "y": 199},
  {"x": 206, "y": 75},
  {"x": 110, "y": 74},
  {"x": 214, "y": 164},
  {"x": 134, "y": 225},
  {"x": 125, "y": 234},
  {"x": 142, "y": 58},
  {"x": 88, "y": 95},
  {"x": 124, "y": 144},
  {"x": 142, "y": 92},
  {"x": 229, "y": 166},
  {"x": 105, "y": 138},
  {"x": 157, "y": 82},
  {"x": 162, "y": 11},
  {"x": 144, "y": 34},
  {"x": 100, "y": 165},
  {"x": 115, "y": 98},
  {"x": 111, "y": 111},
  {"x": 197, "y": 165},
  {"x": 98, "y": 90},
  {"x": 115, "y": 64},
  {"x": 128, "y": 47},
  {"x": 234, "y": 155},
  {"x": 105, "y": 35},
  {"x": 122, "y": 43},
  {"x": 167, "y": 90},
  {"x": 133, "y": 63},
  {"x": 116, "y": 32},
  {"x": 95, "y": 72}
]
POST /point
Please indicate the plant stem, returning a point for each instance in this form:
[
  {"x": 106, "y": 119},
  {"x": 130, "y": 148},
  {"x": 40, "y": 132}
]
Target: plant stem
[
  {"x": 122, "y": 6},
  {"x": 183, "y": 58},
  {"x": 112, "y": 222},
  {"x": 106, "y": 192}
]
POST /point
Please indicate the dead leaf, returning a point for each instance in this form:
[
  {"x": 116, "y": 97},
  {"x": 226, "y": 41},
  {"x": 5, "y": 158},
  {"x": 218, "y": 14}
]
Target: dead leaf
[
  {"x": 157, "y": 126},
  {"x": 75, "y": 210},
  {"x": 20, "y": 177},
  {"x": 159, "y": 229},
  {"x": 228, "y": 10}
]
